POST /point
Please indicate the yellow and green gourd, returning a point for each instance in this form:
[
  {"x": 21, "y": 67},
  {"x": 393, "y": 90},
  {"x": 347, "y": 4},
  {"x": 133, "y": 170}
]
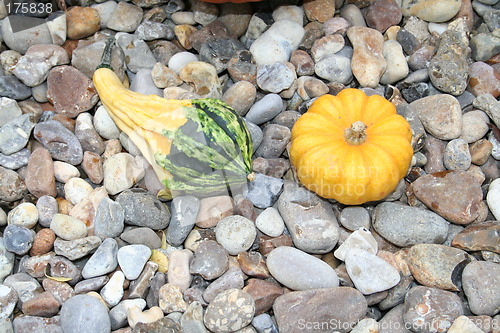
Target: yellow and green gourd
[{"x": 194, "y": 146}]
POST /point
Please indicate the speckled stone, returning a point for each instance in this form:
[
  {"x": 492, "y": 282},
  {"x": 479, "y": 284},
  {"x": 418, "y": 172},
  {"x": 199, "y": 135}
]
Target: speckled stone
[
  {"x": 84, "y": 313},
  {"x": 479, "y": 279},
  {"x": 230, "y": 311},
  {"x": 210, "y": 260}
]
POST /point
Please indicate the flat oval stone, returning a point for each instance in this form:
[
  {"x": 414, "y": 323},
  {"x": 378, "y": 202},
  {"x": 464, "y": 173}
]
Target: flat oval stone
[
  {"x": 230, "y": 311},
  {"x": 270, "y": 222},
  {"x": 24, "y": 215},
  {"x": 346, "y": 306},
  {"x": 18, "y": 239},
  {"x": 83, "y": 313},
  {"x": 40, "y": 178},
  {"x": 459, "y": 203},
  {"x": 405, "y": 225},
  {"x": 369, "y": 272},
  {"x": 62, "y": 144},
  {"x": 479, "y": 279},
  {"x": 431, "y": 10},
  {"x": 437, "y": 266},
  {"x": 68, "y": 227},
  {"x": 300, "y": 271}
]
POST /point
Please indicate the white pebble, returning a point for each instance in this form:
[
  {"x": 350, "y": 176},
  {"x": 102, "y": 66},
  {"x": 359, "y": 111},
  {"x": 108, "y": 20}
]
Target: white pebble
[
  {"x": 181, "y": 59},
  {"x": 270, "y": 222},
  {"x": 24, "y": 215},
  {"x": 112, "y": 292},
  {"x": 64, "y": 171},
  {"x": 493, "y": 198},
  {"x": 76, "y": 189}
]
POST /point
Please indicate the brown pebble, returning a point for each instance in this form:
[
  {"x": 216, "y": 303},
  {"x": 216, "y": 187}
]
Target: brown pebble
[
  {"x": 479, "y": 237},
  {"x": 303, "y": 62},
  {"x": 319, "y": 10},
  {"x": 382, "y": 14},
  {"x": 64, "y": 206},
  {"x": 82, "y": 22},
  {"x": 112, "y": 147},
  {"x": 264, "y": 293},
  {"x": 60, "y": 290},
  {"x": 244, "y": 207},
  {"x": 253, "y": 264},
  {"x": 242, "y": 67},
  {"x": 43, "y": 242},
  {"x": 213, "y": 209},
  {"x": 42, "y": 305},
  {"x": 480, "y": 151},
  {"x": 182, "y": 32},
  {"x": 66, "y": 121},
  {"x": 40, "y": 179},
  {"x": 92, "y": 165},
  {"x": 267, "y": 244}
]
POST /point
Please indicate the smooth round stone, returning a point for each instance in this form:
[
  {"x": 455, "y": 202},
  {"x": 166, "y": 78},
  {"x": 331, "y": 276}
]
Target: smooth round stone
[
  {"x": 335, "y": 68},
  {"x": 18, "y": 239},
  {"x": 210, "y": 260},
  {"x": 285, "y": 35},
  {"x": 87, "y": 135},
  {"x": 47, "y": 207},
  {"x": 426, "y": 307},
  {"x": 353, "y": 218},
  {"x": 474, "y": 126},
  {"x": 104, "y": 125},
  {"x": 230, "y": 311},
  {"x": 240, "y": 96},
  {"x": 83, "y": 313},
  {"x": 132, "y": 259},
  {"x": 23, "y": 215},
  {"x": 270, "y": 222},
  {"x": 181, "y": 59},
  {"x": 76, "y": 189},
  {"x": 112, "y": 292},
  {"x": 109, "y": 219},
  {"x": 346, "y": 306},
  {"x": 103, "y": 261},
  {"x": 68, "y": 227},
  {"x": 359, "y": 239},
  {"x": 143, "y": 209},
  {"x": 436, "y": 265},
  {"x": 142, "y": 235},
  {"x": 431, "y": 10},
  {"x": 457, "y": 155},
  {"x": 479, "y": 281},
  {"x": 265, "y": 109},
  {"x": 298, "y": 270},
  {"x": 370, "y": 273},
  {"x": 235, "y": 233},
  {"x": 275, "y": 77},
  {"x": 493, "y": 198},
  {"x": 405, "y": 226},
  {"x": 64, "y": 171},
  {"x": 126, "y": 17}
]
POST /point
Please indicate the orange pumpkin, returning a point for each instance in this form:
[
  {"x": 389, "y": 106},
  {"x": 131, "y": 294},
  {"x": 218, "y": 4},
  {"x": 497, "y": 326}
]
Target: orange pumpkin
[{"x": 351, "y": 147}]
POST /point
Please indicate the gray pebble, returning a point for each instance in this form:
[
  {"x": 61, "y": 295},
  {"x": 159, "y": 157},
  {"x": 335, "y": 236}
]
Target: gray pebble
[
  {"x": 91, "y": 284},
  {"x": 136, "y": 50},
  {"x": 104, "y": 125},
  {"x": 484, "y": 46},
  {"x": 256, "y": 134},
  {"x": 62, "y": 144},
  {"x": 218, "y": 52},
  {"x": 353, "y": 218},
  {"x": 20, "y": 41},
  {"x": 18, "y": 239},
  {"x": 16, "y": 160},
  {"x": 6, "y": 261},
  {"x": 270, "y": 222},
  {"x": 11, "y": 87},
  {"x": 298, "y": 270},
  {"x": 118, "y": 314},
  {"x": 457, "y": 155},
  {"x": 132, "y": 259},
  {"x": 103, "y": 261},
  {"x": 143, "y": 83},
  {"x": 15, "y": 134},
  {"x": 274, "y": 141},
  {"x": 184, "y": 212},
  {"x": 405, "y": 226},
  {"x": 8, "y": 299},
  {"x": 143, "y": 209},
  {"x": 479, "y": 279},
  {"x": 47, "y": 207},
  {"x": 210, "y": 260},
  {"x": 275, "y": 77},
  {"x": 9, "y": 109},
  {"x": 87, "y": 135},
  {"x": 142, "y": 235},
  {"x": 264, "y": 110},
  {"x": 149, "y": 30},
  {"x": 232, "y": 278},
  {"x": 263, "y": 323},
  {"x": 192, "y": 319},
  {"x": 109, "y": 219},
  {"x": 76, "y": 249},
  {"x": 335, "y": 68},
  {"x": 83, "y": 313},
  {"x": 235, "y": 233},
  {"x": 263, "y": 191},
  {"x": 126, "y": 17},
  {"x": 25, "y": 286}
]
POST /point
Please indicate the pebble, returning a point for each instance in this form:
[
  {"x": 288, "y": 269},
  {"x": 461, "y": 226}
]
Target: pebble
[
  {"x": 233, "y": 278},
  {"x": 210, "y": 260},
  {"x": 121, "y": 171},
  {"x": 313, "y": 227},
  {"x": 274, "y": 141},
  {"x": 397, "y": 66},
  {"x": 83, "y": 313},
  {"x": 68, "y": 227},
  {"x": 319, "y": 10},
  {"x": 132, "y": 259},
  {"x": 112, "y": 292},
  {"x": 382, "y": 14},
  {"x": 431, "y": 307},
  {"x": 23, "y": 215},
  {"x": 12, "y": 186},
  {"x": 263, "y": 292},
  {"x": 457, "y": 155},
  {"x": 367, "y": 63},
  {"x": 327, "y": 45},
  {"x": 178, "y": 272},
  {"x": 431, "y": 10},
  {"x": 264, "y": 323},
  {"x": 213, "y": 209},
  {"x": 20, "y": 41},
  {"x": 76, "y": 189},
  {"x": 218, "y": 52},
  {"x": 263, "y": 191},
  {"x": 353, "y": 217},
  {"x": 93, "y": 167},
  {"x": 18, "y": 239},
  {"x": 459, "y": 203},
  {"x": 164, "y": 77},
  {"x": 346, "y": 307},
  {"x": 125, "y": 18},
  {"x": 253, "y": 264},
  {"x": 370, "y": 273},
  {"x": 136, "y": 316},
  {"x": 484, "y": 46},
  {"x": 136, "y": 50},
  {"x": 16, "y": 160},
  {"x": 91, "y": 284},
  {"x": 149, "y": 31},
  {"x": 270, "y": 222},
  {"x": 128, "y": 307},
  {"x": 103, "y": 261},
  {"x": 62, "y": 144},
  {"x": 82, "y": 97},
  {"x": 285, "y": 35},
  {"x": 14, "y": 135},
  {"x": 275, "y": 77},
  {"x": 6, "y": 260},
  {"x": 483, "y": 79},
  {"x": 230, "y": 311},
  {"x": 11, "y": 87},
  {"x": 47, "y": 208},
  {"x": 143, "y": 209},
  {"x": 463, "y": 324},
  {"x": 82, "y": 22},
  {"x": 192, "y": 318},
  {"x": 87, "y": 135},
  {"x": 64, "y": 171},
  {"x": 181, "y": 59},
  {"x": 298, "y": 270},
  {"x": 78, "y": 248},
  {"x": 478, "y": 277},
  {"x": 25, "y": 323},
  {"x": 8, "y": 299},
  {"x": 235, "y": 233},
  {"x": 474, "y": 126},
  {"x": 42, "y": 305},
  {"x": 359, "y": 239},
  {"x": 142, "y": 235},
  {"x": 184, "y": 212},
  {"x": 406, "y": 226},
  {"x": 104, "y": 125},
  {"x": 109, "y": 219},
  {"x": 448, "y": 71},
  {"x": 240, "y": 96},
  {"x": 436, "y": 265},
  {"x": 43, "y": 242},
  {"x": 441, "y": 115},
  {"x": 171, "y": 299},
  {"x": 265, "y": 109}
]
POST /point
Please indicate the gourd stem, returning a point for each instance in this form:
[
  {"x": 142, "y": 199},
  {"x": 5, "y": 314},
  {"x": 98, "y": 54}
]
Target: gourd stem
[
  {"x": 106, "y": 55},
  {"x": 356, "y": 134}
]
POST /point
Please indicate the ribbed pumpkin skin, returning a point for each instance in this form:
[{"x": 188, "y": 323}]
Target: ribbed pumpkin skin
[
  {"x": 195, "y": 146},
  {"x": 351, "y": 174}
]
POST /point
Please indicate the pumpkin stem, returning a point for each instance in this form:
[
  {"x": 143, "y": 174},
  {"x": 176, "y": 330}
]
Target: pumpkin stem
[
  {"x": 356, "y": 134},
  {"x": 106, "y": 54}
]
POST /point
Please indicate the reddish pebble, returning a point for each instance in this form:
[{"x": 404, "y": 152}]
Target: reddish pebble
[
  {"x": 92, "y": 165},
  {"x": 42, "y": 305},
  {"x": 483, "y": 79},
  {"x": 382, "y": 14},
  {"x": 44, "y": 240},
  {"x": 264, "y": 293},
  {"x": 40, "y": 178}
]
